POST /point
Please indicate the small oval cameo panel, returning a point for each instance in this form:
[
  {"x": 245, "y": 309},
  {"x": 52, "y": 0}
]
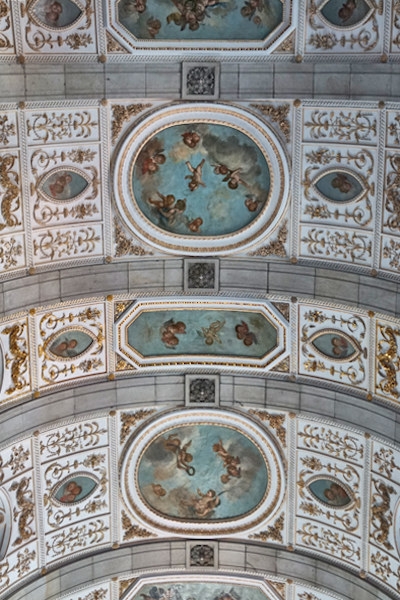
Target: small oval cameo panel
[
  {"x": 69, "y": 343},
  {"x": 55, "y": 14},
  {"x": 330, "y": 492},
  {"x": 75, "y": 489},
  {"x": 63, "y": 184},
  {"x": 339, "y": 186},
  {"x": 336, "y": 345},
  {"x": 346, "y": 13}
]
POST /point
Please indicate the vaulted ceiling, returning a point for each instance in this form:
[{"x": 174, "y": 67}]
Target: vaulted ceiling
[{"x": 200, "y": 258}]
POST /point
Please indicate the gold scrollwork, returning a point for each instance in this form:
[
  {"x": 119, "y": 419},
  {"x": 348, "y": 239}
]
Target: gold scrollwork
[
  {"x": 10, "y": 201},
  {"x": 384, "y": 459},
  {"x": 56, "y": 127},
  {"x": 77, "y": 537},
  {"x": 346, "y": 127},
  {"x": 73, "y": 439},
  {"x": 132, "y": 531},
  {"x": 122, "y": 114},
  {"x": 129, "y": 420},
  {"x": 6, "y": 129},
  {"x": 22, "y": 566},
  {"x": 25, "y": 512},
  {"x": 391, "y": 251},
  {"x": 275, "y": 421},
  {"x": 383, "y": 568},
  {"x": 277, "y": 114},
  {"x": 388, "y": 360},
  {"x": 16, "y": 463},
  {"x": 381, "y": 515},
  {"x": 332, "y": 542},
  {"x": 273, "y": 532},
  {"x": 17, "y": 357},
  {"x": 345, "y": 446},
  {"x": 56, "y": 245}
]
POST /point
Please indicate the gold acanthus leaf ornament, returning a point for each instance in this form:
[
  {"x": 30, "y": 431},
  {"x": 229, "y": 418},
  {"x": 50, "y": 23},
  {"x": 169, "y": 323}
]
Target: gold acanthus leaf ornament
[
  {"x": 132, "y": 531},
  {"x": 129, "y": 420},
  {"x": 18, "y": 358},
  {"x": 275, "y": 421},
  {"x": 277, "y": 246},
  {"x": 277, "y": 114},
  {"x": 10, "y": 200},
  {"x": 273, "y": 532},
  {"x": 121, "y": 114}
]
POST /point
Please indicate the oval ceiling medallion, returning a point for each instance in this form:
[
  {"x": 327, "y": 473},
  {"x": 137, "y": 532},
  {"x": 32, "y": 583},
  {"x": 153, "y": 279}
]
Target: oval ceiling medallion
[
  {"x": 69, "y": 343},
  {"x": 331, "y": 492},
  {"x": 55, "y": 14},
  {"x": 63, "y": 184},
  {"x": 339, "y": 186},
  {"x": 201, "y": 179},
  {"x": 74, "y": 489},
  {"x": 211, "y": 472},
  {"x": 200, "y": 19},
  {"x": 346, "y": 13},
  {"x": 336, "y": 345}
]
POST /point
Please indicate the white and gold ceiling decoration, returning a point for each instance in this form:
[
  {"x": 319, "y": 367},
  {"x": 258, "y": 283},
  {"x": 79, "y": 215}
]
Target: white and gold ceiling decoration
[
  {"x": 315, "y": 183},
  {"x": 66, "y": 29},
  {"x": 273, "y": 477},
  {"x": 316, "y": 342}
]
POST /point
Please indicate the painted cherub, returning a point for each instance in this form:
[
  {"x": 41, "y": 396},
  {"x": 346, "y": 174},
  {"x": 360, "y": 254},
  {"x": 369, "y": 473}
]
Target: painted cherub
[{"x": 196, "y": 176}]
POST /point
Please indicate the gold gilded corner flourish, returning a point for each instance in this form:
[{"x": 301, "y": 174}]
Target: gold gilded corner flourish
[
  {"x": 132, "y": 531},
  {"x": 129, "y": 420},
  {"x": 278, "y": 115},
  {"x": 124, "y": 246},
  {"x": 276, "y": 247},
  {"x": 275, "y": 421},
  {"x": 121, "y": 114},
  {"x": 273, "y": 532}
]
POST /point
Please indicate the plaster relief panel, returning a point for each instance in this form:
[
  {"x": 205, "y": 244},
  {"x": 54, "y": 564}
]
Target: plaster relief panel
[
  {"x": 76, "y": 437},
  {"x": 61, "y": 126},
  {"x": 65, "y": 185},
  {"x": 187, "y": 473},
  {"x": 14, "y": 340},
  {"x": 7, "y": 43},
  {"x": 58, "y": 27},
  {"x": 8, "y": 129},
  {"x": 344, "y": 27},
  {"x": 71, "y": 344},
  {"x": 340, "y": 125},
  {"x": 334, "y": 345}
]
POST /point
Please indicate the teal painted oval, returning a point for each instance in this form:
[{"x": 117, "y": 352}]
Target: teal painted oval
[
  {"x": 330, "y": 492},
  {"x": 56, "y": 14},
  {"x": 201, "y": 179},
  {"x": 75, "y": 489},
  {"x": 70, "y": 343},
  {"x": 334, "y": 345},
  {"x": 345, "y": 13},
  {"x": 202, "y": 472},
  {"x": 339, "y": 186},
  {"x": 64, "y": 185}
]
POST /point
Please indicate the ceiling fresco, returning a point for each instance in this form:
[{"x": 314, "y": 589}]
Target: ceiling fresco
[
  {"x": 214, "y": 473},
  {"x": 209, "y": 183}
]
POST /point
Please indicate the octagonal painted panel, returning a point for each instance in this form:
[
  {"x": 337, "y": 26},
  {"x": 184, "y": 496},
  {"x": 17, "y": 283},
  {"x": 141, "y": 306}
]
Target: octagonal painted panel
[
  {"x": 200, "y": 19},
  {"x": 194, "y": 472},
  {"x": 201, "y": 179},
  {"x": 156, "y": 333}
]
